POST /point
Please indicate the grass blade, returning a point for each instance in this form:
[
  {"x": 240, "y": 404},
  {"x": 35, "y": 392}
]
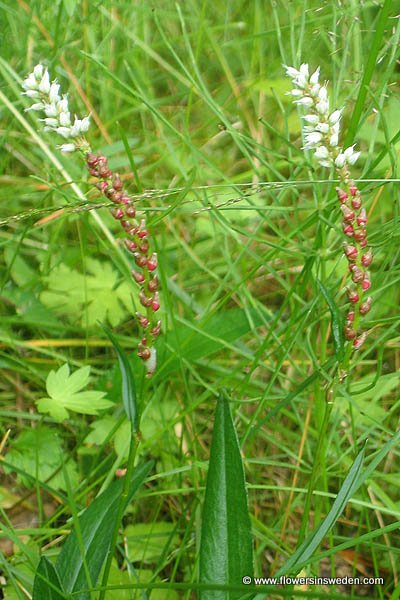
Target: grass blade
[
  {"x": 226, "y": 553},
  {"x": 47, "y": 584}
]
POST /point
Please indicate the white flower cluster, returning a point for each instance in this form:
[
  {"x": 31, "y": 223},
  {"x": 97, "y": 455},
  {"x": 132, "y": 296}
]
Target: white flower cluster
[
  {"x": 321, "y": 132},
  {"x": 55, "y": 108}
]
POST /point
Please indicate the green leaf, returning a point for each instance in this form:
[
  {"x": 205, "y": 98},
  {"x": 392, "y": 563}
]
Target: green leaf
[
  {"x": 226, "y": 546},
  {"x": 308, "y": 547},
  {"x": 39, "y": 453},
  {"x": 128, "y": 381},
  {"x": 336, "y": 321},
  {"x": 147, "y": 541},
  {"x": 47, "y": 585},
  {"x": 64, "y": 394},
  {"x": 96, "y": 526},
  {"x": 70, "y": 6},
  {"x": 93, "y": 296}
]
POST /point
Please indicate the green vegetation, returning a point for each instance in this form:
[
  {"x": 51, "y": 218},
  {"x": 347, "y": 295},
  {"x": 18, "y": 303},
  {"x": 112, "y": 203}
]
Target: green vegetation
[{"x": 107, "y": 487}]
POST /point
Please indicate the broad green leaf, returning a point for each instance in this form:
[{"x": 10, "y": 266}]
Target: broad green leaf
[
  {"x": 308, "y": 547},
  {"x": 128, "y": 390},
  {"x": 96, "y": 526},
  {"x": 226, "y": 546},
  {"x": 39, "y": 453},
  {"x": 64, "y": 394},
  {"x": 93, "y": 296},
  {"x": 148, "y": 541},
  {"x": 47, "y": 585},
  {"x": 336, "y": 321}
]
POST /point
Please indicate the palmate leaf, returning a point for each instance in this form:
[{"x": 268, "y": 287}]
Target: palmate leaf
[
  {"x": 94, "y": 295},
  {"x": 64, "y": 395}
]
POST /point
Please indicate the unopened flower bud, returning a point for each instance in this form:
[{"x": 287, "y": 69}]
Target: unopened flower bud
[
  {"x": 366, "y": 284},
  {"x": 92, "y": 159},
  {"x": 131, "y": 212},
  {"x": 138, "y": 277},
  {"x": 131, "y": 245},
  {"x": 118, "y": 213},
  {"x": 356, "y": 202},
  {"x": 143, "y": 321},
  {"x": 365, "y": 307},
  {"x": 152, "y": 262},
  {"x": 155, "y": 305},
  {"x": 103, "y": 187},
  {"x": 144, "y": 247},
  {"x": 140, "y": 260},
  {"x": 350, "y": 316},
  {"x": 153, "y": 284},
  {"x": 352, "y": 296},
  {"x": 155, "y": 331},
  {"x": 357, "y": 274},
  {"x": 348, "y": 214},
  {"x": 362, "y": 217},
  {"x": 348, "y": 229},
  {"x": 358, "y": 342},
  {"x": 144, "y": 300},
  {"x": 360, "y": 235},
  {"x": 125, "y": 198},
  {"x": 341, "y": 194},
  {"x": 363, "y": 243},
  {"x": 350, "y": 252},
  {"x": 349, "y": 332},
  {"x": 353, "y": 190},
  {"x": 144, "y": 354},
  {"x": 366, "y": 258},
  {"x": 117, "y": 183}
]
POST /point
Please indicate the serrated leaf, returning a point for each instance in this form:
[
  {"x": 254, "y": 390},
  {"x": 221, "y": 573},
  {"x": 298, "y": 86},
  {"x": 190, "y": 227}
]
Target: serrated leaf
[
  {"x": 94, "y": 295},
  {"x": 96, "y": 525},
  {"x": 47, "y": 585},
  {"x": 226, "y": 545},
  {"x": 38, "y": 452},
  {"x": 65, "y": 395}
]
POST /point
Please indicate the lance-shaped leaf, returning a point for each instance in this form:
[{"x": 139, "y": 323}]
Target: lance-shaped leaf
[
  {"x": 47, "y": 585},
  {"x": 96, "y": 526},
  {"x": 336, "y": 321},
  {"x": 226, "y": 554}
]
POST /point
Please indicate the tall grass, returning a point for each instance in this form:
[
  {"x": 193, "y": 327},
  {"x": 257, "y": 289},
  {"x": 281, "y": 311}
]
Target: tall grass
[{"x": 191, "y": 108}]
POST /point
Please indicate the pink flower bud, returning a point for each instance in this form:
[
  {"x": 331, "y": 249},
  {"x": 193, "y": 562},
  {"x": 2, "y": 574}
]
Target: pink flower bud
[
  {"x": 366, "y": 258},
  {"x": 363, "y": 243},
  {"x": 152, "y": 262},
  {"x": 155, "y": 331},
  {"x": 358, "y": 342},
  {"x": 92, "y": 159},
  {"x": 105, "y": 173},
  {"x": 144, "y": 247},
  {"x": 117, "y": 183},
  {"x": 348, "y": 229},
  {"x": 366, "y": 284},
  {"x": 358, "y": 275},
  {"x": 341, "y": 194},
  {"x": 353, "y": 296},
  {"x": 356, "y": 202},
  {"x": 144, "y": 300},
  {"x": 117, "y": 213},
  {"x": 153, "y": 284},
  {"x": 116, "y": 197},
  {"x": 155, "y": 305},
  {"x": 349, "y": 332},
  {"x": 360, "y": 235},
  {"x": 143, "y": 321},
  {"x": 353, "y": 190},
  {"x": 125, "y": 199},
  {"x": 362, "y": 217},
  {"x": 365, "y": 307},
  {"x": 103, "y": 187},
  {"x": 138, "y": 277},
  {"x": 131, "y": 246},
  {"x": 140, "y": 260},
  {"x": 131, "y": 212},
  {"x": 348, "y": 214},
  {"x": 350, "y": 252},
  {"x": 350, "y": 316}
]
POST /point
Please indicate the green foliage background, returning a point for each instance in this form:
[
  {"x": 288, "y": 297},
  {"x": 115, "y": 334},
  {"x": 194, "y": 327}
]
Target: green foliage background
[{"x": 196, "y": 91}]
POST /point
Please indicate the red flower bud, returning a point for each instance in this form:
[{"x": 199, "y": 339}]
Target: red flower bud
[
  {"x": 362, "y": 217},
  {"x": 349, "y": 332},
  {"x": 360, "y": 235},
  {"x": 138, "y": 277},
  {"x": 143, "y": 321},
  {"x": 153, "y": 284},
  {"x": 353, "y": 296},
  {"x": 358, "y": 342},
  {"x": 341, "y": 194},
  {"x": 125, "y": 199},
  {"x": 152, "y": 262},
  {"x": 364, "y": 243},
  {"x": 117, "y": 213},
  {"x": 117, "y": 183},
  {"x": 366, "y": 284},
  {"x": 365, "y": 307},
  {"x": 366, "y": 258},
  {"x": 353, "y": 190},
  {"x": 155, "y": 331},
  {"x": 348, "y": 214},
  {"x": 144, "y": 354},
  {"x": 356, "y": 202},
  {"x": 144, "y": 300},
  {"x": 358, "y": 275},
  {"x": 155, "y": 305},
  {"x": 131, "y": 246},
  {"x": 144, "y": 247},
  {"x": 92, "y": 159},
  {"x": 131, "y": 212},
  {"x": 350, "y": 315},
  {"x": 103, "y": 187},
  {"x": 348, "y": 230},
  {"x": 140, "y": 260},
  {"x": 350, "y": 252}
]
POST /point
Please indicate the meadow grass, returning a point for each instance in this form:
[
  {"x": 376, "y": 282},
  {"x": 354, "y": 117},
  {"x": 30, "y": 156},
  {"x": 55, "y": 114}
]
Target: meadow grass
[{"x": 189, "y": 104}]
